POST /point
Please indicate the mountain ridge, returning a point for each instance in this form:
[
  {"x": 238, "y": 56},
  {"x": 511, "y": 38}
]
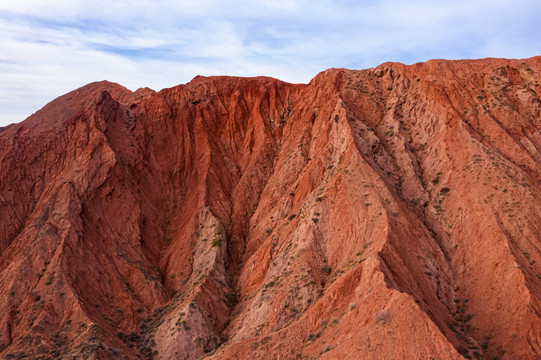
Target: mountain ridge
[{"x": 391, "y": 212}]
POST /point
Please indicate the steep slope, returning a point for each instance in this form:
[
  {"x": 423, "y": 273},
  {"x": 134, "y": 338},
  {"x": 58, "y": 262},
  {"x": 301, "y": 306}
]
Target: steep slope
[{"x": 387, "y": 213}]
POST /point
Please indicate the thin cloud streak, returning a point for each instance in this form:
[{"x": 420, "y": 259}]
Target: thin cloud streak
[{"x": 49, "y": 48}]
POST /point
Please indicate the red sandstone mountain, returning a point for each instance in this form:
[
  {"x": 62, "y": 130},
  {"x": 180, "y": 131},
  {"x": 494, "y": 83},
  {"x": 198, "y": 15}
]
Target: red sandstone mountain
[{"x": 388, "y": 213}]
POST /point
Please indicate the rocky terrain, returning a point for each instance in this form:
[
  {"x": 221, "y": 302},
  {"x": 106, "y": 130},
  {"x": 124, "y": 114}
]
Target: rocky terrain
[{"x": 387, "y": 213}]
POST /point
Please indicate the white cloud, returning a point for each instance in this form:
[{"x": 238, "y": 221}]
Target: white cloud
[{"x": 49, "y": 48}]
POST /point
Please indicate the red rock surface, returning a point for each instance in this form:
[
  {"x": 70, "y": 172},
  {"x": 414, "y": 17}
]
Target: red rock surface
[{"x": 388, "y": 213}]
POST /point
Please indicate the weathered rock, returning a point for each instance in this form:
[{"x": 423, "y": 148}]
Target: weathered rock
[{"x": 377, "y": 214}]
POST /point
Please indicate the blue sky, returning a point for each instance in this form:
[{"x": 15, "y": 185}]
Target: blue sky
[{"x": 48, "y": 48}]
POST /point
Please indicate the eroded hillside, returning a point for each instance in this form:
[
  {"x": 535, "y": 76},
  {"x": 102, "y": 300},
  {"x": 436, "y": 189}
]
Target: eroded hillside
[{"x": 387, "y": 213}]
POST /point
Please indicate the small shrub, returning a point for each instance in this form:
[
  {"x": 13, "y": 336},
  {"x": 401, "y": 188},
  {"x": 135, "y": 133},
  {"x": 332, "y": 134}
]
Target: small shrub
[
  {"x": 464, "y": 352},
  {"x": 381, "y": 316},
  {"x": 216, "y": 242},
  {"x": 231, "y": 299},
  {"x": 50, "y": 280},
  {"x": 219, "y": 230},
  {"x": 326, "y": 269}
]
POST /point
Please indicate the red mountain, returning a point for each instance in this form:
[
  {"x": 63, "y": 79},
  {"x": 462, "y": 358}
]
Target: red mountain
[{"x": 387, "y": 213}]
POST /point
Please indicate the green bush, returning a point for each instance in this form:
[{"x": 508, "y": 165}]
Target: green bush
[{"x": 219, "y": 230}]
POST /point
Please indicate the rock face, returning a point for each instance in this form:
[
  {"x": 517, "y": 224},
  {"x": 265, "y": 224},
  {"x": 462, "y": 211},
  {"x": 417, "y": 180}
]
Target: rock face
[{"x": 388, "y": 213}]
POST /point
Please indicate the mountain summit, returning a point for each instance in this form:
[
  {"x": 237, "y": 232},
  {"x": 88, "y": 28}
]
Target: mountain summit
[{"x": 387, "y": 213}]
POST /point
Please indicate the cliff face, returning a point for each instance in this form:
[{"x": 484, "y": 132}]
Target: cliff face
[{"x": 386, "y": 213}]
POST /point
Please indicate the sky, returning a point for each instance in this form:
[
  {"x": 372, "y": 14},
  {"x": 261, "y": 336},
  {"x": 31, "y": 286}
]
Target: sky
[{"x": 48, "y": 48}]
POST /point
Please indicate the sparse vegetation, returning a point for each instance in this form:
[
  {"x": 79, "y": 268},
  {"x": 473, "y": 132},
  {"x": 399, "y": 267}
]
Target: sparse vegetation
[
  {"x": 219, "y": 230},
  {"x": 50, "y": 279},
  {"x": 381, "y": 316}
]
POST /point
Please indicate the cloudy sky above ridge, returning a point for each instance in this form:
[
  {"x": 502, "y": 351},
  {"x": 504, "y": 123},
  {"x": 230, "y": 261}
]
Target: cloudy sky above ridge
[{"x": 48, "y": 48}]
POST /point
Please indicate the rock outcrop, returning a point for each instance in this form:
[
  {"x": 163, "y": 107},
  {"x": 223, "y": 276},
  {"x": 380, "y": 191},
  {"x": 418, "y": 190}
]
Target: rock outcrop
[{"x": 387, "y": 213}]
